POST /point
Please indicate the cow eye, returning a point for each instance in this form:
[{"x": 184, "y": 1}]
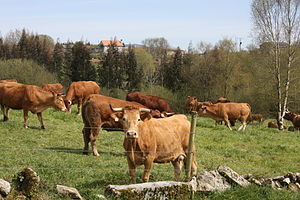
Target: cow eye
[
  {"x": 123, "y": 119},
  {"x": 139, "y": 119}
]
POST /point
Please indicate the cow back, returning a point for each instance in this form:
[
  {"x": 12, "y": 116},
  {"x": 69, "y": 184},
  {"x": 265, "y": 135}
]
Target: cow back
[
  {"x": 82, "y": 89},
  {"x": 55, "y": 87}
]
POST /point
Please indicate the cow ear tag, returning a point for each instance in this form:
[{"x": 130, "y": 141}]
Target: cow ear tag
[{"x": 116, "y": 119}]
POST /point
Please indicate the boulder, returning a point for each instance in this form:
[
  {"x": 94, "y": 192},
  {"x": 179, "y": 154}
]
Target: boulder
[
  {"x": 154, "y": 190},
  {"x": 68, "y": 191},
  {"x": 27, "y": 182},
  {"x": 4, "y": 188},
  {"x": 232, "y": 177},
  {"x": 208, "y": 181}
]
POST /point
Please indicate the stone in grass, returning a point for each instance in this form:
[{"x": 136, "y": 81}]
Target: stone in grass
[
  {"x": 69, "y": 191},
  {"x": 209, "y": 181},
  {"x": 232, "y": 177},
  {"x": 4, "y": 188},
  {"x": 27, "y": 182},
  {"x": 154, "y": 190}
]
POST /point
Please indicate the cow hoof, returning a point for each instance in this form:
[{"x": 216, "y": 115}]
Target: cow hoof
[
  {"x": 85, "y": 152},
  {"x": 42, "y": 127},
  {"x": 5, "y": 119},
  {"x": 25, "y": 126}
]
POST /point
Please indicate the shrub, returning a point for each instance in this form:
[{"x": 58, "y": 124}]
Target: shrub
[{"x": 25, "y": 71}]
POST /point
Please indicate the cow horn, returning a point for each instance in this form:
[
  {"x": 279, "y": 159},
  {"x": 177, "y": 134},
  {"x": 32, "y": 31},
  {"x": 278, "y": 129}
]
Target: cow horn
[
  {"x": 116, "y": 109},
  {"x": 171, "y": 113},
  {"x": 145, "y": 110}
]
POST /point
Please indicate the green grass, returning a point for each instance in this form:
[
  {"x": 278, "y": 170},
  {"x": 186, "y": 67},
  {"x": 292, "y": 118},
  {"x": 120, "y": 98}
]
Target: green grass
[{"x": 56, "y": 155}]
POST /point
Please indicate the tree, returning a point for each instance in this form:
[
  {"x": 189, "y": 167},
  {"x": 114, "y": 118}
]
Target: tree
[
  {"x": 277, "y": 22},
  {"x": 81, "y": 67},
  {"x": 173, "y": 79},
  {"x": 156, "y": 46},
  {"x": 134, "y": 74}
]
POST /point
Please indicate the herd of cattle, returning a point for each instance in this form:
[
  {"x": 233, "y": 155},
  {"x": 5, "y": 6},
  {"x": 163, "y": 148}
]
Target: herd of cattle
[{"x": 153, "y": 132}]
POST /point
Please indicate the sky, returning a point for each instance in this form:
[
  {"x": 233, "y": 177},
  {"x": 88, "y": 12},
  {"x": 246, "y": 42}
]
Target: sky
[{"x": 178, "y": 21}]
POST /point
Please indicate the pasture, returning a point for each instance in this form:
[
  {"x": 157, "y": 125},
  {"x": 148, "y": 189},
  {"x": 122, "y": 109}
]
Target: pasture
[{"x": 56, "y": 155}]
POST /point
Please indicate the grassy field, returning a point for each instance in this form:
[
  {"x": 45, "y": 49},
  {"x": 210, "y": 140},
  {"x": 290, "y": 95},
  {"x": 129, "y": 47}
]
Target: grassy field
[{"x": 56, "y": 155}]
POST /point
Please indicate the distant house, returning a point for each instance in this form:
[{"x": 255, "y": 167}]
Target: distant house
[{"x": 105, "y": 44}]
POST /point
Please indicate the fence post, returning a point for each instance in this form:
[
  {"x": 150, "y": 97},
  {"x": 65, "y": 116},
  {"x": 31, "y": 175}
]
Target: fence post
[{"x": 190, "y": 147}]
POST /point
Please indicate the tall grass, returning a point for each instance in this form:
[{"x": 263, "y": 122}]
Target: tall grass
[{"x": 56, "y": 155}]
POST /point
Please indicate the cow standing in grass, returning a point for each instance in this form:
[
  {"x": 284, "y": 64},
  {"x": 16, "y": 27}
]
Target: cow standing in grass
[
  {"x": 96, "y": 114},
  {"x": 149, "y": 140},
  {"x": 28, "y": 98},
  {"x": 294, "y": 118},
  {"x": 78, "y": 92},
  {"x": 227, "y": 112}
]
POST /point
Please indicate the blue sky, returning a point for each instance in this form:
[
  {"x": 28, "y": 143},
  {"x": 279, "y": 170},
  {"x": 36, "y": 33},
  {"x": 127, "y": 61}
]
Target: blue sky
[{"x": 131, "y": 20}]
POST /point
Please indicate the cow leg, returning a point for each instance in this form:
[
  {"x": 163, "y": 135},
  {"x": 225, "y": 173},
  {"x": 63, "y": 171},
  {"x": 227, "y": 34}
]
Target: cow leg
[
  {"x": 243, "y": 127},
  {"x": 5, "y": 112},
  {"x": 86, "y": 138},
  {"x": 177, "y": 164},
  {"x": 227, "y": 123},
  {"x": 25, "y": 113},
  {"x": 148, "y": 165},
  {"x": 93, "y": 137},
  {"x": 132, "y": 170},
  {"x": 40, "y": 117},
  {"x": 79, "y": 106}
]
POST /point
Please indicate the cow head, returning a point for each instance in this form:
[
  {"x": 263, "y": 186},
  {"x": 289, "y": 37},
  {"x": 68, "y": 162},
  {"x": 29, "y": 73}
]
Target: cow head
[
  {"x": 130, "y": 118},
  {"x": 68, "y": 104},
  {"x": 59, "y": 102},
  {"x": 289, "y": 115}
]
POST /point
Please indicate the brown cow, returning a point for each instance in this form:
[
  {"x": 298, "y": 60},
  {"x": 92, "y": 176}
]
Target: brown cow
[
  {"x": 294, "y": 118},
  {"x": 149, "y": 140},
  {"x": 78, "y": 92},
  {"x": 255, "y": 117},
  {"x": 275, "y": 125},
  {"x": 28, "y": 98},
  {"x": 191, "y": 104},
  {"x": 57, "y": 88},
  {"x": 227, "y": 112},
  {"x": 152, "y": 102},
  {"x": 96, "y": 113}
]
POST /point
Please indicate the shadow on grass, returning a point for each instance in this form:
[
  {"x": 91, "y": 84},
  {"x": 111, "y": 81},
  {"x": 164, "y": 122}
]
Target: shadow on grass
[{"x": 80, "y": 151}]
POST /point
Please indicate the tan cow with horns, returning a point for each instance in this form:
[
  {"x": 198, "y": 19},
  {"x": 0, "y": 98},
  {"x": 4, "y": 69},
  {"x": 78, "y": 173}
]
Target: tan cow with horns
[{"x": 149, "y": 140}]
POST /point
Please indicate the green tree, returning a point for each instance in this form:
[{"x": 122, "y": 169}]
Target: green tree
[
  {"x": 133, "y": 73},
  {"x": 81, "y": 67},
  {"x": 173, "y": 78}
]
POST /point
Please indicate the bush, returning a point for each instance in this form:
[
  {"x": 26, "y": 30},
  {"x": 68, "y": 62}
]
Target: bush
[{"x": 25, "y": 71}]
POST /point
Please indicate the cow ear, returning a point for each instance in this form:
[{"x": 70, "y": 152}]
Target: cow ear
[
  {"x": 145, "y": 116},
  {"x": 116, "y": 116}
]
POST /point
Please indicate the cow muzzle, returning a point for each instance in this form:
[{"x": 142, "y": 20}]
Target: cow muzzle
[{"x": 131, "y": 134}]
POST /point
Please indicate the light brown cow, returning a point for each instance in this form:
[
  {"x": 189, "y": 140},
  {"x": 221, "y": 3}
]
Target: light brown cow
[
  {"x": 149, "y": 140},
  {"x": 294, "y": 118},
  {"x": 8, "y": 80},
  {"x": 255, "y": 117},
  {"x": 54, "y": 87},
  {"x": 28, "y": 98},
  {"x": 191, "y": 103},
  {"x": 96, "y": 113},
  {"x": 78, "y": 92},
  {"x": 227, "y": 112}
]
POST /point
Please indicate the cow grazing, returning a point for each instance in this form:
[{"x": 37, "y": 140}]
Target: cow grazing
[
  {"x": 191, "y": 103},
  {"x": 78, "y": 92},
  {"x": 28, "y": 98},
  {"x": 294, "y": 118},
  {"x": 255, "y": 117},
  {"x": 227, "y": 112},
  {"x": 8, "y": 80},
  {"x": 223, "y": 100},
  {"x": 149, "y": 140},
  {"x": 152, "y": 102},
  {"x": 57, "y": 88}
]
